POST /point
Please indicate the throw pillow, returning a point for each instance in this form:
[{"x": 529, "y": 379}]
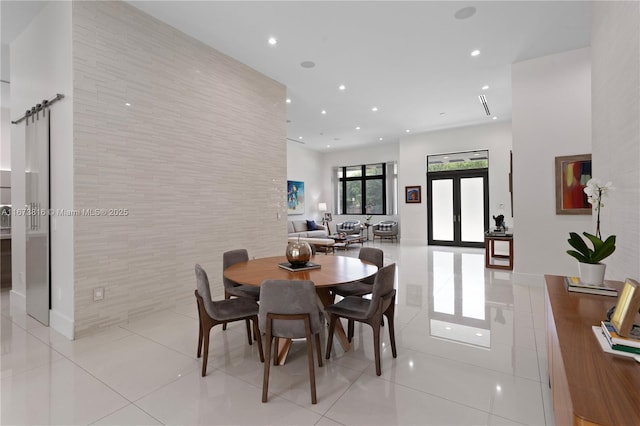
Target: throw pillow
[
  {"x": 311, "y": 225},
  {"x": 385, "y": 227},
  {"x": 348, "y": 226}
]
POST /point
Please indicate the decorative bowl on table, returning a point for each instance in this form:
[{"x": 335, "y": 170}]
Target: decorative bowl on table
[{"x": 298, "y": 253}]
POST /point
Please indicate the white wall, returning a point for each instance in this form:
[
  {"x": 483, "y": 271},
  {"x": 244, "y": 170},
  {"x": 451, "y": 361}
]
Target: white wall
[
  {"x": 412, "y": 171},
  {"x": 305, "y": 165},
  {"x": 615, "y": 84},
  {"x": 551, "y": 117},
  {"x": 41, "y": 68}
]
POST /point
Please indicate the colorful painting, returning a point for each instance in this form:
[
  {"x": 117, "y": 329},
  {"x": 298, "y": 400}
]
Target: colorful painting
[
  {"x": 295, "y": 197},
  {"x": 413, "y": 194},
  {"x": 572, "y": 174}
]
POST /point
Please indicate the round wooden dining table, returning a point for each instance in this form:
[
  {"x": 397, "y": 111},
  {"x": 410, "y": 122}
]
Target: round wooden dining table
[{"x": 333, "y": 271}]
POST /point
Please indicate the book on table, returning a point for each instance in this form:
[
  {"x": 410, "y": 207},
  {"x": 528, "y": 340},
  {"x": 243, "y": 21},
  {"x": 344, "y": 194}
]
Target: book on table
[
  {"x": 604, "y": 344},
  {"x": 575, "y": 285},
  {"x": 295, "y": 268},
  {"x": 627, "y": 344}
]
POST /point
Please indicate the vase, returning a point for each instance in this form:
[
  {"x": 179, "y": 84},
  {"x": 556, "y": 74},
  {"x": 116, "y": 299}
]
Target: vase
[
  {"x": 592, "y": 273},
  {"x": 298, "y": 253}
]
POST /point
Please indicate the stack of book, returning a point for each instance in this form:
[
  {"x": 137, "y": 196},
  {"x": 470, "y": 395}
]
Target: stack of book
[
  {"x": 613, "y": 343},
  {"x": 574, "y": 284}
]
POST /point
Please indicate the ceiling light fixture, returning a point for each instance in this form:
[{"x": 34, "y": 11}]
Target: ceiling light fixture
[
  {"x": 485, "y": 87},
  {"x": 380, "y": 139},
  {"x": 374, "y": 109},
  {"x": 273, "y": 41},
  {"x": 300, "y": 137},
  {"x": 494, "y": 118},
  {"x": 357, "y": 127},
  {"x": 323, "y": 112},
  {"x": 342, "y": 87},
  {"x": 475, "y": 53},
  {"x": 408, "y": 130},
  {"x": 328, "y": 146},
  {"x": 127, "y": 104},
  {"x": 288, "y": 100}
]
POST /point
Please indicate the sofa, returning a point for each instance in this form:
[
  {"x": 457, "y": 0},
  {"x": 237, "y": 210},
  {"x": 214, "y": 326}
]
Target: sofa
[{"x": 299, "y": 228}]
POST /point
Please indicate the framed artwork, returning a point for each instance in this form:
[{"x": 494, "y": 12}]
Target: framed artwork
[
  {"x": 572, "y": 174},
  {"x": 327, "y": 217},
  {"x": 413, "y": 194},
  {"x": 295, "y": 197},
  {"x": 626, "y": 307}
]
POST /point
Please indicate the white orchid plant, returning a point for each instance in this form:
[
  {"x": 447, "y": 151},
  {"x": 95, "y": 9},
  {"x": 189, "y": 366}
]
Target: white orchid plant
[{"x": 595, "y": 190}]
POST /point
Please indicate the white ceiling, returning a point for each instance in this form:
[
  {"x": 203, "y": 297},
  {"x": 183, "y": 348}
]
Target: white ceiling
[{"x": 410, "y": 59}]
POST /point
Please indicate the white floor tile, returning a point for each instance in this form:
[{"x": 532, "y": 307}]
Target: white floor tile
[
  {"x": 135, "y": 366},
  {"x": 22, "y": 352},
  {"x": 60, "y": 393},
  {"x": 520, "y": 400},
  {"x": 128, "y": 416},
  {"x": 219, "y": 399}
]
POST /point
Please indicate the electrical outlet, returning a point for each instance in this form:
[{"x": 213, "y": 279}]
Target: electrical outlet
[{"x": 98, "y": 293}]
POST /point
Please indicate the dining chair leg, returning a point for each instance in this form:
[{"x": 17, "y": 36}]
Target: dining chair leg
[
  {"x": 392, "y": 332},
  {"x": 226, "y": 296},
  {"x": 312, "y": 374},
  {"x": 256, "y": 332},
  {"x": 248, "y": 330},
  {"x": 332, "y": 326},
  {"x": 319, "y": 349},
  {"x": 376, "y": 345},
  {"x": 205, "y": 355},
  {"x": 276, "y": 347},
  {"x": 267, "y": 363},
  {"x": 199, "y": 337}
]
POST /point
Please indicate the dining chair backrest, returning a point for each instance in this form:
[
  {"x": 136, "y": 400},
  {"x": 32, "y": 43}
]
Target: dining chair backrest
[
  {"x": 230, "y": 258},
  {"x": 289, "y": 297},
  {"x": 371, "y": 255},
  {"x": 382, "y": 288},
  {"x": 202, "y": 284}
]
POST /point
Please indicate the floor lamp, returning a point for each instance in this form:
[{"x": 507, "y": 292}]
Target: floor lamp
[{"x": 322, "y": 208}]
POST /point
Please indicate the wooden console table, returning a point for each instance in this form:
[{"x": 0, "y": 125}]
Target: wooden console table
[
  {"x": 489, "y": 251},
  {"x": 588, "y": 385}
]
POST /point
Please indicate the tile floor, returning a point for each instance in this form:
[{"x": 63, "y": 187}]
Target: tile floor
[{"x": 470, "y": 352}]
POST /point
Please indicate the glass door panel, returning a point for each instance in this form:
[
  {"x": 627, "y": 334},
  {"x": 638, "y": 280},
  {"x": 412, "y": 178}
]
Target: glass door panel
[
  {"x": 442, "y": 208},
  {"x": 472, "y": 209}
]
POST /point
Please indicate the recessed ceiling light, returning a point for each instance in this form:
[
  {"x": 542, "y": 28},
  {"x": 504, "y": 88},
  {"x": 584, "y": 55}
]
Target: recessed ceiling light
[
  {"x": 479, "y": 334},
  {"x": 328, "y": 146},
  {"x": 300, "y": 137},
  {"x": 475, "y": 52},
  {"x": 477, "y": 154},
  {"x": 323, "y": 112},
  {"x": 374, "y": 109},
  {"x": 288, "y": 101},
  {"x": 307, "y": 64},
  {"x": 127, "y": 104},
  {"x": 408, "y": 130},
  {"x": 342, "y": 87},
  {"x": 447, "y": 328},
  {"x": 494, "y": 118},
  {"x": 273, "y": 41},
  {"x": 357, "y": 127},
  {"x": 465, "y": 12},
  {"x": 485, "y": 87},
  {"x": 380, "y": 139},
  {"x": 445, "y": 157}
]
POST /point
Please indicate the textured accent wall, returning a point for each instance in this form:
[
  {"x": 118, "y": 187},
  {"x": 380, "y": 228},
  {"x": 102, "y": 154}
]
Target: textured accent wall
[
  {"x": 198, "y": 158},
  {"x": 615, "y": 53}
]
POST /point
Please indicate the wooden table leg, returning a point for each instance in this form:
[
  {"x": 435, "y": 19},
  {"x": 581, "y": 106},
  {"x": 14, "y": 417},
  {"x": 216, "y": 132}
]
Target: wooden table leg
[{"x": 326, "y": 298}]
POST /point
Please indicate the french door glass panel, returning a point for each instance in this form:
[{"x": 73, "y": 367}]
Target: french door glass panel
[
  {"x": 442, "y": 207},
  {"x": 472, "y": 209}
]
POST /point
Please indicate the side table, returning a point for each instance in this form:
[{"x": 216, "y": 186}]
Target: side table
[{"x": 489, "y": 250}]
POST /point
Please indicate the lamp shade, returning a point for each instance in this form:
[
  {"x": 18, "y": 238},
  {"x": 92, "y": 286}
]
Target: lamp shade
[{"x": 322, "y": 207}]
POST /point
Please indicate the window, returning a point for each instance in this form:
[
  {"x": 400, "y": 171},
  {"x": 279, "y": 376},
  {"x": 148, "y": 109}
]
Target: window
[{"x": 361, "y": 189}]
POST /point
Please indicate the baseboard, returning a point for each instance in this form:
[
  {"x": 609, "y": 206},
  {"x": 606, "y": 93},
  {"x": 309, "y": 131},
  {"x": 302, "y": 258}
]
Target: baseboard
[
  {"x": 18, "y": 299},
  {"x": 62, "y": 324}
]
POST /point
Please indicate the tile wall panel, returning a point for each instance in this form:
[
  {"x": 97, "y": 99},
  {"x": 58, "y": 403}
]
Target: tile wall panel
[
  {"x": 198, "y": 159},
  {"x": 616, "y": 127}
]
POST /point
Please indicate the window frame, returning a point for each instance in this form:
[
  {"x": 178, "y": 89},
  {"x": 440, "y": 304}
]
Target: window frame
[{"x": 363, "y": 178}]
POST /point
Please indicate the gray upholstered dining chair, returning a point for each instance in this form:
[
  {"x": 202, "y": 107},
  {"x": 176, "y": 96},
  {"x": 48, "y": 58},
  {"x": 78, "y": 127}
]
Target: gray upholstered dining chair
[
  {"x": 359, "y": 309},
  {"x": 212, "y": 313},
  {"x": 289, "y": 309},
  {"x": 365, "y": 285},
  {"x": 232, "y": 288}
]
